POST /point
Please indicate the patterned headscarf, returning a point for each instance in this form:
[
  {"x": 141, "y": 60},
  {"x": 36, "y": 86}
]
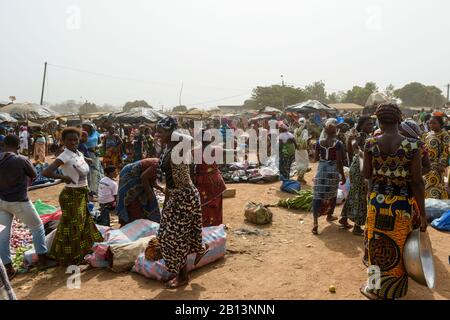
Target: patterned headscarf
[
  {"x": 412, "y": 128},
  {"x": 168, "y": 123}
]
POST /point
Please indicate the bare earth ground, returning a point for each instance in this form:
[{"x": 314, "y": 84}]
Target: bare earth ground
[{"x": 290, "y": 263}]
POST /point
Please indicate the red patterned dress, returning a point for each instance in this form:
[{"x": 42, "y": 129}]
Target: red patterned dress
[{"x": 211, "y": 186}]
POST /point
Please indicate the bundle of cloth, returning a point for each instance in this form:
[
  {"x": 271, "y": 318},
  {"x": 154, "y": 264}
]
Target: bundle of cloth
[{"x": 124, "y": 249}]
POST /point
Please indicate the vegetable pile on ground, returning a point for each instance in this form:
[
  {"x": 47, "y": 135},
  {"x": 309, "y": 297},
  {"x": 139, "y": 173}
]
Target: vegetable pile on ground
[
  {"x": 21, "y": 241},
  {"x": 302, "y": 201}
]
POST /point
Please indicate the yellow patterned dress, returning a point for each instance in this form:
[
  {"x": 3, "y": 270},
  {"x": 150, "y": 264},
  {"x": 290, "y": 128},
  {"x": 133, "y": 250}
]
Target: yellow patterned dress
[
  {"x": 389, "y": 216},
  {"x": 437, "y": 144}
]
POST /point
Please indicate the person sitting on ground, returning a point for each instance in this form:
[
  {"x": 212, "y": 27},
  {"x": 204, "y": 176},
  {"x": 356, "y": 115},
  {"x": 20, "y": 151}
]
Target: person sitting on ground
[
  {"x": 15, "y": 172},
  {"x": 107, "y": 195}
]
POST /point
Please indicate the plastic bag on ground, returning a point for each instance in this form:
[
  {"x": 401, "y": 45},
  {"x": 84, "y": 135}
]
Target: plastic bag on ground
[
  {"x": 442, "y": 223},
  {"x": 434, "y": 208}
]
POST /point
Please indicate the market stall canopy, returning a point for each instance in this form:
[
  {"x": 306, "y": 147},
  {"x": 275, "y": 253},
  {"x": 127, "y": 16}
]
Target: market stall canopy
[
  {"x": 310, "y": 106},
  {"x": 377, "y": 98},
  {"x": 347, "y": 106},
  {"x": 5, "y": 117},
  {"x": 28, "y": 111},
  {"x": 270, "y": 110},
  {"x": 261, "y": 117},
  {"x": 135, "y": 115}
]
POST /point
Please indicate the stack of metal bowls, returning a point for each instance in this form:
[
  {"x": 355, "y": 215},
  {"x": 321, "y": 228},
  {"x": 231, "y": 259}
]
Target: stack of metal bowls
[{"x": 418, "y": 258}]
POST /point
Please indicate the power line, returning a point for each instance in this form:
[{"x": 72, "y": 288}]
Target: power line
[
  {"x": 221, "y": 99},
  {"x": 99, "y": 74}
]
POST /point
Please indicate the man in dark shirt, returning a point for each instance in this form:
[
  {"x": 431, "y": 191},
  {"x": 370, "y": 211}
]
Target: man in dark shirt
[{"x": 15, "y": 172}]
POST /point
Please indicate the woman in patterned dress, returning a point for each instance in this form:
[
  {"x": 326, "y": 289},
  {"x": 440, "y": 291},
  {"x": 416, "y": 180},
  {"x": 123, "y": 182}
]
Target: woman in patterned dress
[
  {"x": 329, "y": 154},
  {"x": 112, "y": 149},
  {"x": 392, "y": 163},
  {"x": 76, "y": 231},
  {"x": 136, "y": 197},
  {"x": 180, "y": 232},
  {"x": 355, "y": 207},
  {"x": 437, "y": 141}
]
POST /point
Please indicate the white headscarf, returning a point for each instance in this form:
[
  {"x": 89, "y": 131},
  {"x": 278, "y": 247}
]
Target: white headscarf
[{"x": 330, "y": 121}]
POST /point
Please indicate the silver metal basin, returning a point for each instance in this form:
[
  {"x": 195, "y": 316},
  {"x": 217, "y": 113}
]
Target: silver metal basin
[{"x": 418, "y": 258}]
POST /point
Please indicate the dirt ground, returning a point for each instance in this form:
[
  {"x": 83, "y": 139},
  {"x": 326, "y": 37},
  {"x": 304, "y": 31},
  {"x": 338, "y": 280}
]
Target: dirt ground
[{"x": 290, "y": 263}]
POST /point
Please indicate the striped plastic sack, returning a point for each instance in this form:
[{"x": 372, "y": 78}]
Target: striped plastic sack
[
  {"x": 30, "y": 257},
  {"x": 100, "y": 258},
  {"x": 215, "y": 237}
]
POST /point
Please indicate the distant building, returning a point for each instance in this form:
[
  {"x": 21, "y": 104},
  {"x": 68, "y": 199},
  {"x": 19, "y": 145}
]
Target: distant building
[{"x": 230, "y": 109}]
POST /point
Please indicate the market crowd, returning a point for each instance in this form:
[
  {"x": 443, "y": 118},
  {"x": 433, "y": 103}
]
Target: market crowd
[{"x": 395, "y": 161}]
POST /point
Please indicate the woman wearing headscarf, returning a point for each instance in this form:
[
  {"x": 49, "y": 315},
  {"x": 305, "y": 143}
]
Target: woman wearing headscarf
[
  {"x": 136, "y": 198},
  {"x": 355, "y": 207},
  {"x": 23, "y": 140},
  {"x": 301, "y": 152},
  {"x": 437, "y": 141},
  {"x": 95, "y": 166},
  {"x": 326, "y": 182},
  {"x": 40, "y": 146},
  {"x": 180, "y": 232},
  {"x": 287, "y": 147},
  {"x": 393, "y": 166},
  {"x": 112, "y": 149},
  {"x": 210, "y": 185}
]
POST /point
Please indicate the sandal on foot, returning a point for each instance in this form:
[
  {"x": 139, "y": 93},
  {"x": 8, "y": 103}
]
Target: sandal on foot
[
  {"x": 358, "y": 231},
  {"x": 315, "y": 230},
  {"x": 199, "y": 257},
  {"x": 369, "y": 294},
  {"x": 173, "y": 284},
  {"x": 344, "y": 224}
]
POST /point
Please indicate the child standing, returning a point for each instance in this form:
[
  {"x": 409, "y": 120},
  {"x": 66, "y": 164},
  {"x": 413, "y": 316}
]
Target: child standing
[{"x": 107, "y": 195}]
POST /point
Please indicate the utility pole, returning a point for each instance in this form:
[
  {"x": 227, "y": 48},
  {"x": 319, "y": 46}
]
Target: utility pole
[
  {"x": 43, "y": 83},
  {"x": 282, "y": 92},
  {"x": 181, "y": 91},
  {"x": 448, "y": 92}
]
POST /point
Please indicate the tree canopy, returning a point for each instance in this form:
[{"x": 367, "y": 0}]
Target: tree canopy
[
  {"x": 416, "y": 94},
  {"x": 180, "y": 108},
  {"x": 359, "y": 95},
  {"x": 135, "y": 104},
  {"x": 87, "y": 107}
]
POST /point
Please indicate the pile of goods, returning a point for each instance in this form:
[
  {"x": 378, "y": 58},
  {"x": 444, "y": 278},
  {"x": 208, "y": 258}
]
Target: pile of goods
[
  {"x": 250, "y": 172},
  {"x": 302, "y": 201},
  {"x": 21, "y": 241},
  {"x": 257, "y": 213}
]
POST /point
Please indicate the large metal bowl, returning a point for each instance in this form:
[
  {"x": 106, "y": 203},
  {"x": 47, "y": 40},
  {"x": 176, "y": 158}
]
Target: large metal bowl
[{"x": 418, "y": 258}]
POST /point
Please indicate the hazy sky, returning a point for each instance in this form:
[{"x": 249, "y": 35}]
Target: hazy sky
[{"x": 218, "y": 48}]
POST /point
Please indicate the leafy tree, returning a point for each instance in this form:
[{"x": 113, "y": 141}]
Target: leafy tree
[
  {"x": 87, "y": 108},
  {"x": 251, "y": 104},
  {"x": 180, "y": 108},
  {"x": 273, "y": 96},
  {"x": 316, "y": 91},
  {"x": 417, "y": 94},
  {"x": 359, "y": 95},
  {"x": 135, "y": 104}
]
